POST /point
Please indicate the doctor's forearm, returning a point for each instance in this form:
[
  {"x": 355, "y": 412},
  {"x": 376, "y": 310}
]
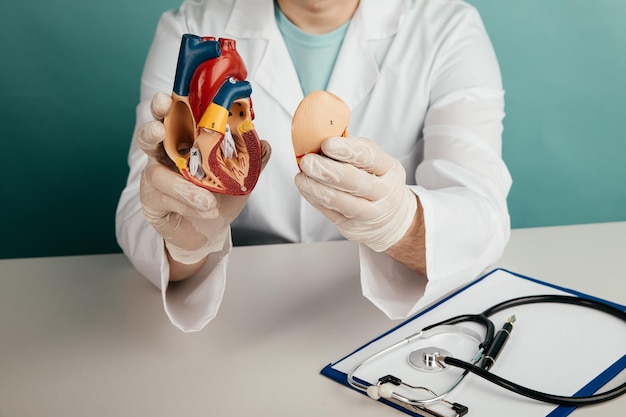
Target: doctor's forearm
[
  {"x": 411, "y": 249},
  {"x": 180, "y": 271}
]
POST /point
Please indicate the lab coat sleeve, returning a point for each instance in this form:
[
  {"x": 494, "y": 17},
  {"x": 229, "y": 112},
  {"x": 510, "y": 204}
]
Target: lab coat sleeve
[
  {"x": 192, "y": 303},
  {"x": 462, "y": 182}
]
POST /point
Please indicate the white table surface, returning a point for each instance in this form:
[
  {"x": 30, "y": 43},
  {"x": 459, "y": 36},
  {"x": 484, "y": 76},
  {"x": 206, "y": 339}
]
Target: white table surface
[{"x": 87, "y": 335}]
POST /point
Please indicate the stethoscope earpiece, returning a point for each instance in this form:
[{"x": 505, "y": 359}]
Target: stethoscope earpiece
[
  {"x": 386, "y": 390},
  {"x": 380, "y": 391},
  {"x": 373, "y": 392}
]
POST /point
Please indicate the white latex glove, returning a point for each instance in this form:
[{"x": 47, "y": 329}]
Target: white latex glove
[
  {"x": 193, "y": 221},
  {"x": 361, "y": 189}
]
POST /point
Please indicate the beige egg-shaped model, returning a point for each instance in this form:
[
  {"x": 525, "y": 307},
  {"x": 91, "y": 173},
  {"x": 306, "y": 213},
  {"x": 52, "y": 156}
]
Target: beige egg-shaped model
[{"x": 319, "y": 115}]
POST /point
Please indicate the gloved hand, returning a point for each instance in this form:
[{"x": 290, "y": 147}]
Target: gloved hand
[
  {"x": 361, "y": 189},
  {"x": 193, "y": 221}
]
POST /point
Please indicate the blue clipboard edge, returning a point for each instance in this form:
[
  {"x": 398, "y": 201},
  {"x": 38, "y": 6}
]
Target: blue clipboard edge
[{"x": 560, "y": 411}]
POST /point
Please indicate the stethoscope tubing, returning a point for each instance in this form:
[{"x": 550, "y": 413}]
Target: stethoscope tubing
[
  {"x": 531, "y": 393},
  {"x": 483, "y": 318},
  {"x": 534, "y": 394}
]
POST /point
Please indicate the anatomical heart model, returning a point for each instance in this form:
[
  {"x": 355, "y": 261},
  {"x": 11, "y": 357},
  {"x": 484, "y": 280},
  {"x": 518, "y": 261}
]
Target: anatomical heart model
[
  {"x": 319, "y": 116},
  {"x": 209, "y": 133}
]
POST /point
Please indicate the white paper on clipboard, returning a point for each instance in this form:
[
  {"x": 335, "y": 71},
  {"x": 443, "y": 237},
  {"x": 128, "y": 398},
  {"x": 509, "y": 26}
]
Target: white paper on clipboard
[{"x": 554, "y": 348}]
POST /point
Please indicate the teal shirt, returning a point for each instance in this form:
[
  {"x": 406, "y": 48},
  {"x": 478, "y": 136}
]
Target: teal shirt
[{"x": 313, "y": 56}]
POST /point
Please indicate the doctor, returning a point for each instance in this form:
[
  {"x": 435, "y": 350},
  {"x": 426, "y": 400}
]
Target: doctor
[{"x": 420, "y": 184}]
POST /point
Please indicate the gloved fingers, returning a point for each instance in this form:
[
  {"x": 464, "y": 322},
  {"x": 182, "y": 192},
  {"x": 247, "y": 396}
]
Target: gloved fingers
[
  {"x": 150, "y": 138},
  {"x": 344, "y": 177},
  {"x": 319, "y": 196},
  {"x": 332, "y": 215},
  {"x": 181, "y": 232},
  {"x": 161, "y": 207},
  {"x": 184, "y": 241},
  {"x": 266, "y": 153},
  {"x": 163, "y": 191},
  {"x": 337, "y": 204},
  {"x": 229, "y": 206},
  {"x": 363, "y": 153},
  {"x": 350, "y": 228},
  {"x": 160, "y": 105},
  {"x": 151, "y": 135}
]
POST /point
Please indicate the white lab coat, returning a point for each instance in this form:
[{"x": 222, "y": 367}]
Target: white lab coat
[{"x": 420, "y": 77}]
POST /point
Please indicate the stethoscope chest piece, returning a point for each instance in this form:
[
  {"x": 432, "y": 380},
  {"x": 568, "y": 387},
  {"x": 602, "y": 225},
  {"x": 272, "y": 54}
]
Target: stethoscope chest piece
[{"x": 427, "y": 359}]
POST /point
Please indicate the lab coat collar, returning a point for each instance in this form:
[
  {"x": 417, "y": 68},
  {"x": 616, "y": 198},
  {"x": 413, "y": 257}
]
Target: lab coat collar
[{"x": 356, "y": 70}]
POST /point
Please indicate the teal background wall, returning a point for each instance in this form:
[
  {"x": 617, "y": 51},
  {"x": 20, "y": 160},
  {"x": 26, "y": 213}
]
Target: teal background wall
[
  {"x": 69, "y": 77},
  {"x": 564, "y": 71}
]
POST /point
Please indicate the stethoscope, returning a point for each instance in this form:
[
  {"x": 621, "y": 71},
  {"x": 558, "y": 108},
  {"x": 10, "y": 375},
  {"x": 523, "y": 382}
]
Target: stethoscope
[{"x": 432, "y": 359}]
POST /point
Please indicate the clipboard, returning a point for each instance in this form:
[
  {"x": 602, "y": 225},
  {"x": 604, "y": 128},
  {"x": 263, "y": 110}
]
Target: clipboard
[{"x": 554, "y": 348}]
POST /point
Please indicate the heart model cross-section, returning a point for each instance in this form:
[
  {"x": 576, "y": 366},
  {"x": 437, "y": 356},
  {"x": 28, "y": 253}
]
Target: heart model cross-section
[{"x": 209, "y": 133}]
